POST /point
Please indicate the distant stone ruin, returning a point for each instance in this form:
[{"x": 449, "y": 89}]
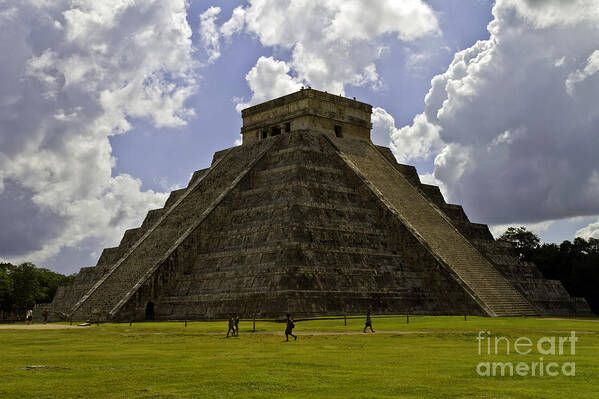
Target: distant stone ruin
[{"x": 308, "y": 217}]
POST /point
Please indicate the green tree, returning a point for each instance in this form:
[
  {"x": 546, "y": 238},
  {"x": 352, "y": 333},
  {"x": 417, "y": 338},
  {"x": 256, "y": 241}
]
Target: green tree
[
  {"x": 26, "y": 287},
  {"x": 6, "y": 290},
  {"x": 523, "y": 240},
  {"x": 22, "y": 286},
  {"x": 574, "y": 263},
  {"x": 593, "y": 247},
  {"x": 49, "y": 281}
]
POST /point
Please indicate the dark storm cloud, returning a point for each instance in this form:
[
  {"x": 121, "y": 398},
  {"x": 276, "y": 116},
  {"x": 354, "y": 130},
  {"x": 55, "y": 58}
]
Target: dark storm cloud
[
  {"x": 514, "y": 119},
  {"x": 24, "y": 227},
  {"x": 72, "y": 75}
]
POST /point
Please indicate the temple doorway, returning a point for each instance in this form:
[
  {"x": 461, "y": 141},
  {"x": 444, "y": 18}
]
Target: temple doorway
[{"x": 150, "y": 311}]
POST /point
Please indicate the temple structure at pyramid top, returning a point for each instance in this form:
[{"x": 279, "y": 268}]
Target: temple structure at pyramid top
[
  {"x": 307, "y": 109},
  {"x": 308, "y": 217}
]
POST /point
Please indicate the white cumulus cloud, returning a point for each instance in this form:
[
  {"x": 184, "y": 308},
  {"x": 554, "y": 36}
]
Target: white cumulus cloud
[
  {"x": 269, "y": 79},
  {"x": 590, "y": 69},
  {"x": 407, "y": 143},
  {"x": 331, "y": 43},
  {"x": 517, "y": 116},
  {"x": 73, "y": 74},
  {"x": 591, "y": 230},
  {"x": 210, "y": 33}
]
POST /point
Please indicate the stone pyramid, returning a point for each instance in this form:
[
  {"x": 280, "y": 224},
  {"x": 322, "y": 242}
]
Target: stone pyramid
[{"x": 307, "y": 216}]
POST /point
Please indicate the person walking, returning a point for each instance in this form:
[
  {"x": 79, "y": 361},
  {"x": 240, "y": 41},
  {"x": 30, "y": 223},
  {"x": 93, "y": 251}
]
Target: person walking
[
  {"x": 289, "y": 328},
  {"x": 45, "y": 314},
  {"x": 231, "y": 326},
  {"x": 368, "y": 322},
  {"x": 29, "y": 316},
  {"x": 236, "y": 324}
]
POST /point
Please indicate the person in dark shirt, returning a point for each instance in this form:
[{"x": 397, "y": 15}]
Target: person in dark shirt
[
  {"x": 289, "y": 328},
  {"x": 368, "y": 322},
  {"x": 231, "y": 326},
  {"x": 236, "y": 324}
]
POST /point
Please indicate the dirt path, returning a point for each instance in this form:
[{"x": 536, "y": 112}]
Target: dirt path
[
  {"x": 66, "y": 326},
  {"x": 351, "y": 332},
  {"x": 51, "y": 326},
  {"x": 36, "y": 327},
  {"x": 566, "y": 319},
  {"x": 307, "y": 333}
]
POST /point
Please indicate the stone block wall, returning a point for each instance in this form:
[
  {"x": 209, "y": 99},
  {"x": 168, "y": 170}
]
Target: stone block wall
[
  {"x": 548, "y": 296},
  {"x": 299, "y": 234},
  {"x": 292, "y": 229}
]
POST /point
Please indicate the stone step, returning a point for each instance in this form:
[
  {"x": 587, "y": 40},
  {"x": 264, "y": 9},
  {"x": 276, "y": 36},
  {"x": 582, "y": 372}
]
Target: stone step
[
  {"x": 320, "y": 256},
  {"x": 310, "y": 205},
  {"x": 197, "y": 175},
  {"x": 174, "y": 197},
  {"x": 299, "y": 156},
  {"x": 473, "y": 231},
  {"x": 155, "y": 245},
  {"x": 433, "y": 193},
  {"x": 310, "y": 213},
  {"x": 290, "y": 278},
  {"x": 130, "y": 237},
  {"x": 261, "y": 228},
  {"x": 281, "y": 233},
  {"x": 289, "y": 150},
  {"x": 415, "y": 211},
  {"x": 277, "y": 249},
  {"x": 108, "y": 256},
  {"x": 152, "y": 218},
  {"x": 297, "y": 172},
  {"x": 348, "y": 293},
  {"x": 289, "y": 194},
  {"x": 337, "y": 188},
  {"x": 455, "y": 212}
]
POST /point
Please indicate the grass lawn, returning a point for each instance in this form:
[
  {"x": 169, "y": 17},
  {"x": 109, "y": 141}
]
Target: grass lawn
[{"x": 431, "y": 357}]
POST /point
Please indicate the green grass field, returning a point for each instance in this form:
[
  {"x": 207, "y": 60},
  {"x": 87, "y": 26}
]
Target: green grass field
[{"x": 431, "y": 357}]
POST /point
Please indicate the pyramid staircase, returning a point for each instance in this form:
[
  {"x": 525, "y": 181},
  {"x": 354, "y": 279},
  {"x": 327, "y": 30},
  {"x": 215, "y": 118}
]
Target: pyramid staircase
[
  {"x": 143, "y": 249},
  {"x": 481, "y": 279},
  {"x": 297, "y": 217},
  {"x": 309, "y": 224}
]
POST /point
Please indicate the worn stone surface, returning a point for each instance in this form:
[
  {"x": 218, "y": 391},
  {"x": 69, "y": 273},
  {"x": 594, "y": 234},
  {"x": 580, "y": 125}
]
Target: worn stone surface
[
  {"x": 547, "y": 296},
  {"x": 307, "y": 109},
  {"x": 309, "y": 223}
]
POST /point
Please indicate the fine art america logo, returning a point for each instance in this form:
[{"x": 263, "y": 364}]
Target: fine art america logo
[{"x": 489, "y": 345}]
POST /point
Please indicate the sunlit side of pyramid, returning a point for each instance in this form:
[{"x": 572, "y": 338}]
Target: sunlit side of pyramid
[{"x": 308, "y": 217}]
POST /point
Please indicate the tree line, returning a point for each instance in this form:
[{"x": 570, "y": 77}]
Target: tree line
[
  {"x": 24, "y": 285},
  {"x": 575, "y": 264}
]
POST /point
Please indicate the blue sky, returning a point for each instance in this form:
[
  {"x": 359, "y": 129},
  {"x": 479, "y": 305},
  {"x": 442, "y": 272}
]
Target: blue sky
[
  {"x": 106, "y": 106},
  {"x": 217, "y": 123}
]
